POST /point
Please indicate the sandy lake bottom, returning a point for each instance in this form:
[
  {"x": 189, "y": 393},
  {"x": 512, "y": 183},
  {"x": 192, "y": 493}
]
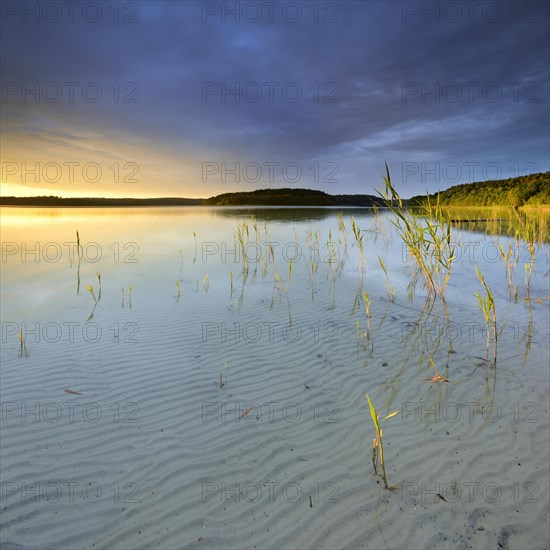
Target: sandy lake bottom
[{"x": 204, "y": 406}]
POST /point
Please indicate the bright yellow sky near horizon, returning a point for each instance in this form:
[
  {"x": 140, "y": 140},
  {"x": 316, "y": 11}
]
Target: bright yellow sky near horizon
[
  {"x": 68, "y": 177},
  {"x": 65, "y": 163}
]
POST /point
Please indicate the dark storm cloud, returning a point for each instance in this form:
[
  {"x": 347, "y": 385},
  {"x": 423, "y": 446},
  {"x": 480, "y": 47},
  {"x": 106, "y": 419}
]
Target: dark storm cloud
[{"x": 371, "y": 57}]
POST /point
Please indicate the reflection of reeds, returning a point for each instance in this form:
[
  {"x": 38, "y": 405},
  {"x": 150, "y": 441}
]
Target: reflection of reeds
[
  {"x": 276, "y": 287},
  {"x": 527, "y": 231},
  {"x": 377, "y": 444},
  {"x": 367, "y": 310},
  {"x": 358, "y": 293},
  {"x": 389, "y": 287}
]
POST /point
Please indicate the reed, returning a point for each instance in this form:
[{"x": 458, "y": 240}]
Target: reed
[
  {"x": 508, "y": 257},
  {"x": 90, "y": 289},
  {"x": 178, "y": 286},
  {"x": 343, "y": 230},
  {"x": 288, "y": 277},
  {"x": 79, "y": 254},
  {"x": 377, "y": 443},
  {"x": 23, "y": 350},
  {"x": 78, "y": 246},
  {"x": 527, "y": 231},
  {"x": 98, "y": 274},
  {"x": 359, "y": 242},
  {"x": 427, "y": 238},
  {"x": 242, "y": 229},
  {"x": 488, "y": 308}
]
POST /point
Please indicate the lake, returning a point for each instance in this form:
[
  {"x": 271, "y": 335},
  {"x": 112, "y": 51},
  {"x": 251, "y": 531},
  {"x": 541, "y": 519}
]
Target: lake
[{"x": 197, "y": 377}]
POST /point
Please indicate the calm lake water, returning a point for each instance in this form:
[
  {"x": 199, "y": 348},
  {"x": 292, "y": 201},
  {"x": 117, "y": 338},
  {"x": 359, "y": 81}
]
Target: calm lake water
[{"x": 190, "y": 396}]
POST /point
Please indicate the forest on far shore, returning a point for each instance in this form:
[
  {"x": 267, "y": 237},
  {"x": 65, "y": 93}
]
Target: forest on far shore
[{"x": 531, "y": 190}]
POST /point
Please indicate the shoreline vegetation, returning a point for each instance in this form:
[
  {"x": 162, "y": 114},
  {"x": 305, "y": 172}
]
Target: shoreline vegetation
[
  {"x": 532, "y": 190},
  {"x": 528, "y": 191}
]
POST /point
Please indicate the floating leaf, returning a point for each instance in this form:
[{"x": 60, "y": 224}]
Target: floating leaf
[{"x": 245, "y": 413}]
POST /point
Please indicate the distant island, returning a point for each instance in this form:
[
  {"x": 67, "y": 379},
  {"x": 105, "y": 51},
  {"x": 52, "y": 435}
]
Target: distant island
[{"x": 531, "y": 190}]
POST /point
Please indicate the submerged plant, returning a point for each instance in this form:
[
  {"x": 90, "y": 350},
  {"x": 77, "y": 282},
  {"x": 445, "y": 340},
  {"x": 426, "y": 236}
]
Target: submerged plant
[
  {"x": 377, "y": 444},
  {"x": 223, "y": 376}
]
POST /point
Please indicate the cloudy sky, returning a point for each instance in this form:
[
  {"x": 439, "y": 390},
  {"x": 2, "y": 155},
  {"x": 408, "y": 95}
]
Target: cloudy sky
[{"x": 183, "y": 98}]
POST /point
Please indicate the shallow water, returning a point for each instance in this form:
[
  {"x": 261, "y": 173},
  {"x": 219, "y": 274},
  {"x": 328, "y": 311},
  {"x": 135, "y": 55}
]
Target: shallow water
[{"x": 234, "y": 415}]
